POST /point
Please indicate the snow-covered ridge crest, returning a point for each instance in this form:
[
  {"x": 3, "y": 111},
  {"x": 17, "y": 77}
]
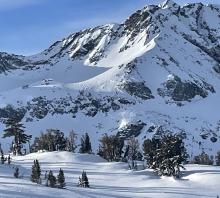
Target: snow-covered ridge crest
[
  {"x": 158, "y": 71},
  {"x": 168, "y": 4}
]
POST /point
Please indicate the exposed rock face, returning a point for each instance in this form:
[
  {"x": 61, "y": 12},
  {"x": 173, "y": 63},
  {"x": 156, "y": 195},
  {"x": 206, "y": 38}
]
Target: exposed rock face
[
  {"x": 133, "y": 129},
  {"x": 138, "y": 89},
  {"x": 10, "y": 111},
  {"x": 183, "y": 91},
  {"x": 10, "y": 62},
  {"x": 40, "y": 107}
]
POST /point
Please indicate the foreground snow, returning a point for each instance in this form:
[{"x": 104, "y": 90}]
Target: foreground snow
[{"x": 106, "y": 179}]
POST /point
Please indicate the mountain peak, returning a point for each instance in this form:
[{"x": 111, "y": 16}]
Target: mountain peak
[{"x": 168, "y": 4}]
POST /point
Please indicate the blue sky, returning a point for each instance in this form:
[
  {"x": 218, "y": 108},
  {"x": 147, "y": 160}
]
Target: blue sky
[{"x": 29, "y": 26}]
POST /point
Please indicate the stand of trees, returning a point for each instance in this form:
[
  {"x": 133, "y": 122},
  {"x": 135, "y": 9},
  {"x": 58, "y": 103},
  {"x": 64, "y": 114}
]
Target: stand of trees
[
  {"x": 205, "y": 159},
  {"x": 54, "y": 140},
  {"x": 111, "y": 147},
  {"x": 51, "y": 180},
  {"x": 166, "y": 153}
]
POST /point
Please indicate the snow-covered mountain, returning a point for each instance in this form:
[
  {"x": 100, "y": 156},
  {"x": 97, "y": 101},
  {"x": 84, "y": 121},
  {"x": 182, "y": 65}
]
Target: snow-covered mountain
[{"x": 159, "y": 70}]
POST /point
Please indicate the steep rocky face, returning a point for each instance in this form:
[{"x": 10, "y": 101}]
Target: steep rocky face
[
  {"x": 10, "y": 62},
  {"x": 40, "y": 107},
  {"x": 184, "y": 91},
  {"x": 138, "y": 89},
  {"x": 157, "y": 71}
]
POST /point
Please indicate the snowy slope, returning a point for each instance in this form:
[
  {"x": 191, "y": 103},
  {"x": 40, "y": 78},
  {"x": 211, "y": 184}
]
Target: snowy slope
[
  {"x": 107, "y": 180},
  {"x": 160, "y": 69}
]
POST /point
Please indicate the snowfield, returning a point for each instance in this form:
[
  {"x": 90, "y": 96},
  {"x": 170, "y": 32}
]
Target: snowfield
[{"x": 107, "y": 180}]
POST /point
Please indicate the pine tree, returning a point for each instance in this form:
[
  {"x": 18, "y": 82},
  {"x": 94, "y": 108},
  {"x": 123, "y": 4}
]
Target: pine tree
[
  {"x": 217, "y": 158},
  {"x": 36, "y": 172},
  {"x": 85, "y": 181},
  {"x": 51, "y": 179},
  {"x": 60, "y": 140},
  {"x": 165, "y": 154},
  {"x": 71, "y": 142},
  {"x": 2, "y": 157},
  {"x": 80, "y": 182},
  {"x": 33, "y": 174},
  {"x": 9, "y": 159},
  {"x": 85, "y": 144},
  {"x": 16, "y": 129},
  {"x": 61, "y": 179},
  {"x": 16, "y": 173}
]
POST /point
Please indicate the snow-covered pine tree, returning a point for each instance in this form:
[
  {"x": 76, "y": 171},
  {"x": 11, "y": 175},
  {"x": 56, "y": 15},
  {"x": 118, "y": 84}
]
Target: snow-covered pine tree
[
  {"x": 85, "y": 144},
  {"x": 51, "y": 180},
  {"x": 36, "y": 172},
  {"x": 61, "y": 179},
  {"x": 16, "y": 173},
  {"x": 85, "y": 180},
  {"x": 166, "y": 154},
  {"x": 16, "y": 129},
  {"x": 80, "y": 182}
]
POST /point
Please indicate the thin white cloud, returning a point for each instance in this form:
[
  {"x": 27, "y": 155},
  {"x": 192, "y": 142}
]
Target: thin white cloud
[{"x": 13, "y": 4}]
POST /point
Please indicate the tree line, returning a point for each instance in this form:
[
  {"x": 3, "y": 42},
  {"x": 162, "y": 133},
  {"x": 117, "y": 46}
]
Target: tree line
[{"x": 166, "y": 153}]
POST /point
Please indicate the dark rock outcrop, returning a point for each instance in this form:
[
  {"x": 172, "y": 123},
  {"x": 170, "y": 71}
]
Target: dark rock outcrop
[{"x": 180, "y": 90}]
